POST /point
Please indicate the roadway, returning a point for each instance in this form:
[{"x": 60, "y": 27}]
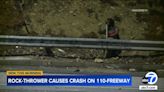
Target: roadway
[{"x": 58, "y": 67}]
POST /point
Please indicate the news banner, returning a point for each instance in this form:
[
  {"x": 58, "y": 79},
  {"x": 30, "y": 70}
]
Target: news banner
[{"x": 38, "y": 78}]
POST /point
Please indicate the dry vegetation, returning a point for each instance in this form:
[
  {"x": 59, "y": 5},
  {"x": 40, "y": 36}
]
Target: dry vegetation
[{"x": 82, "y": 18}]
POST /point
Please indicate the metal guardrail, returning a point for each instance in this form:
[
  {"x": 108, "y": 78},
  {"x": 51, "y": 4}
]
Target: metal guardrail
[{"x": 82, "y": 43}]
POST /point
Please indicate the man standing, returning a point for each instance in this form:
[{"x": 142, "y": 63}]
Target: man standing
[{"x": 112, "y": 32}]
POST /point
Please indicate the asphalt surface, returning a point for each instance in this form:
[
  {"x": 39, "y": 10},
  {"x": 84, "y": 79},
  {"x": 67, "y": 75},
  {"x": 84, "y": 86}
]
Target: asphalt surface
[{"x": 78, "y": 65}]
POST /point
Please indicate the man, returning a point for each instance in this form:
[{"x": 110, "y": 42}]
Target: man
[
  {"x": 112, "y": 32},
  {"x": 111, "y": 29}
]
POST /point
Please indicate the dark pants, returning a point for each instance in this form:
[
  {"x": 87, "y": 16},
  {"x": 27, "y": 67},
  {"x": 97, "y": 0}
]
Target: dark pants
[
  {"x": 48, "y": 51},
  {"x": 113, "y": 53}
]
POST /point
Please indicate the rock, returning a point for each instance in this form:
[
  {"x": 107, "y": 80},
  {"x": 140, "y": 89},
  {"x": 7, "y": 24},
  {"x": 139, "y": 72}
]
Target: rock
[
  {"x": 32, "y": 13},
  {"x": 132, "y": 37},
  {"x": 78, "y": 59},
  {"x": 132, "y": 69},
  {"x": 120, "y": 59},
  {"x": 60, "y": 50},
  {"x": 115, "y": 58},
  {"x": 16, "y": 47},
  {"x": 112, "y": 7},
  {"x": 73, "y": 55},
  {"x": 74, "y": 24},
  {"x": 67, "y": 68},
  {"x": 35, "y": 4},
  {"x": 41, "y": 48},
  {"x": 147, "y": 63},
  {"x": 71, "y": 12},
  {"x": 48, "y": 63},
  {"x": 97, "y": 60},
  {"x": 109, "y": 67},
  {"x": 99, "y": 24},
  {"x": 130, "y": 61}
]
